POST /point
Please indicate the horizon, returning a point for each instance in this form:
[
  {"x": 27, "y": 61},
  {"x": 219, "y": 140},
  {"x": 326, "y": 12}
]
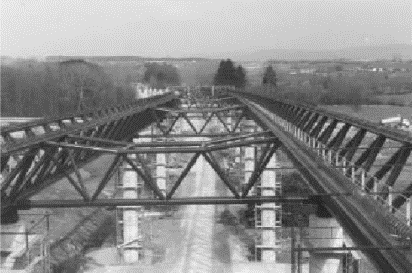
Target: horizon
[
  {"x": 39, "y": 57},
  {"x": 200, "y": 29}
]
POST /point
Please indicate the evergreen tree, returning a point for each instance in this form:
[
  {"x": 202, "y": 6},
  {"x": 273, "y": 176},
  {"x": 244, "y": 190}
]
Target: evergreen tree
[
  {"x": 228, "y": 74},
  {"x": 269, "y": 78},
  {"x": 241, "y": 77},
  {"x": 218, "y": 80}
]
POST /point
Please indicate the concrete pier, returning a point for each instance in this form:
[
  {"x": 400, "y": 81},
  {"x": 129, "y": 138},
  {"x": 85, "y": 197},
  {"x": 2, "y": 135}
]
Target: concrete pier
[
  {"x": 250, "y": 152},
  {"x": 327, "y": 232},
  {"x": 131, "y": 234},
  {"x": 271, "y": 219},
  {"x": 161, "y": 172}
]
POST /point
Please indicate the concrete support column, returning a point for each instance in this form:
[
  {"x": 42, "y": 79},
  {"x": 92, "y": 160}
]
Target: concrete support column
[
  {"x": 344, "y": 165},
  {"x": 249, "y": 153},
  {"x": 131, "y": 234},
  {"x": 363, "y": 179},
  {"x": 330, "y": 156},
  {"x": 390, "y": 195},
  {"x": 375, "y": 187},
  {"x": 353, "y": 174},
  {"x": 329, "y": 229},
  {"x": 271, "y": 213},
  {"x": 229, "y": 121},
  {"x": 238, "y": 150},
  {"x": 161, "y": 172},
  {"x": 326, "y": 232}
]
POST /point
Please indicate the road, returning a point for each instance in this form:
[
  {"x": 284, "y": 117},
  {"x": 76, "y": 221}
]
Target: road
[{"x": 198, "y": 225}]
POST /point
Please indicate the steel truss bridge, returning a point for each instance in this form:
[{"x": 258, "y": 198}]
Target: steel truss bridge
[{"x": 339, "y": 157}]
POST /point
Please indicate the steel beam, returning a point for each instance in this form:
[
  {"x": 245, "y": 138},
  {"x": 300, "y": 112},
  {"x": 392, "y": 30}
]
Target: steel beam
[
  {"x": 212, "y": 162},
  {"x": 340, "y": 136},
  {"x": 146, "y": 177},
  {"x": 109, "y": 173},
  {"x": 324, "y": 137},
  {"x": 350, "y": 148},
  {"x": 203, "y": 110},
  {"x": 206, "y": 122},
  {"x": 203, "y": 147},
  {"x": 15, "y": 189},
  {"x": 190, "y": 135},
  {"x": 27, "y": 204},
  {"x": 310, "y": 124},
  {"x": 383, "y": 170},
  {"x": 183, "y": 175},
  {"x": 261, "y": 164},
  {"x": 318, "y": 127},
  {"x": 184, "y": 115},
  {"x": 351, "y": 248},
  {"x": 20, "y": 165},
  {"x": 369, "y": 156},
  {"x": 242, "y": 115},
  {"x": 142, "y": 144}
]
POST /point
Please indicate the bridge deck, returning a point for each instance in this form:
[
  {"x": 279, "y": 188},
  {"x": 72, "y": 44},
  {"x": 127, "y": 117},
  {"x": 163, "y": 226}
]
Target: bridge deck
[{"x": 68, "y": 145}]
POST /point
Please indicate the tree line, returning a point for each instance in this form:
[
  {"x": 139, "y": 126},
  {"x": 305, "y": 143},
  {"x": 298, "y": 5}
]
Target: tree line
[
  {"x": 52, "y": 89},
  {"x": 46, "y": 89},
  {"x": 160, "y": 76}
]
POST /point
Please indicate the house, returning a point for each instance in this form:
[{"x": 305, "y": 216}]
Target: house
[{"x": 307, "y": 70}]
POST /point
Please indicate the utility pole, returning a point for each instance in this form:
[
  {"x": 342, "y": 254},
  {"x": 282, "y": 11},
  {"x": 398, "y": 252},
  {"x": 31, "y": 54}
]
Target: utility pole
[
  {"x": 292, "y": 250},
  {"x": 80, "y": 106}
]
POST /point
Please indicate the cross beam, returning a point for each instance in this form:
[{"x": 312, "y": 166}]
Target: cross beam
[
  {"x": 352, "y": 248},
  {"x": 201, "y": 147},
  {"x": 202, "y": 110},
  {"x": 27, "y": 204}
]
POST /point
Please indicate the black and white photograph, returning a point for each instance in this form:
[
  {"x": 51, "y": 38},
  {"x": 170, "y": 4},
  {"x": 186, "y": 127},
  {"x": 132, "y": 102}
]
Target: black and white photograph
[{"x": 206, "y": 136}]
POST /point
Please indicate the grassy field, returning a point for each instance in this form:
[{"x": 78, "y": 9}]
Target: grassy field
[
  {"x": 372, "y": 113},
  {"x": 405, "y": 99}
]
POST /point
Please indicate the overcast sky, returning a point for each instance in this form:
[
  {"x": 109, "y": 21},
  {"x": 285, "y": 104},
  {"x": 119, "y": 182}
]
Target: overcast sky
[{"x": 197, "y": 28}]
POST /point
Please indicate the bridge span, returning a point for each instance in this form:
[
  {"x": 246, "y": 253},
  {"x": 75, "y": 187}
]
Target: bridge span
[{"x": 358, "y": 170}]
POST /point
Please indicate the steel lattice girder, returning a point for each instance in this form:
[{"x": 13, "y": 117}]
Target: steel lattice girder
[
  {"x": 49, "y": 167},
  {"x": 67, "y": 164},
  {"x": 295, "y": 112},
  {"x": 281, "y": 104},
  {"x": 366, "y": 160},
  {"x": 87, "y": 120},
  {"x": 322, "y": 178},
  {"x": 208, "y": 113}
]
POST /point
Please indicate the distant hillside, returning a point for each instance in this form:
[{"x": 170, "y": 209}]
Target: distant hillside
[
  {"x": 119, "y": 59},
  {"x": 403, "y": 51}
]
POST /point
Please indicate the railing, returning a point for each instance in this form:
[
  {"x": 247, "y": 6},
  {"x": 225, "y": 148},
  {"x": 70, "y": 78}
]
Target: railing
[{"x": 399, "y": 218}]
